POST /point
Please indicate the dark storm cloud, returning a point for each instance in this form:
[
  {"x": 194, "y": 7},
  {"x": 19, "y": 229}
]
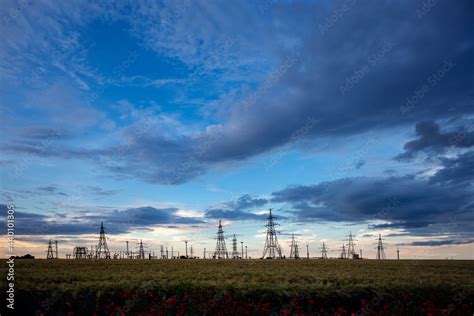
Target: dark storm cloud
[
  {"x": 238, "y": 209},
  {"x": 456, "y": 171},
  {"x": 438, "y": 205},
  {"x": 380, "y": 65},
  {"x": 431, "y": 140},
  {"x": 116, "y": 222},
  {"x": 434, "y": 243}
]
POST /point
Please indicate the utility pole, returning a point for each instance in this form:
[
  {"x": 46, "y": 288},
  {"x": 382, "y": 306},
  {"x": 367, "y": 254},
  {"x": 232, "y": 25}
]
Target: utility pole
[
  {"x": 242, "y": 248},
  {"x": 186, "y": 242},
  {"x": 128, "y": 252},
  {"x": 307, "y": 251},
  {"x": 398, "y": 254},
  {"x": 246, "y": 252},
  {"x": 204, "y": 254},
  {"x": 272, "y": 248},
  {"x": 56, "y": 243}
]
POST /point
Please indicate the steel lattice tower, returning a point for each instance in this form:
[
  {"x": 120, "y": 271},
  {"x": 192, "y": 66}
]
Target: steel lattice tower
[
  {"x": 343, "y": 252},
  {"x": 221, "y": 249},
  {"x": 272, "y": 248},
  {"x": 294, "y": 252},
  {"x": 380, "y": 249},
  {"x": 324, "y": 252},
  {"x": 50, "y": 254},
  {"x": 235, "y": 252},
  {"x": 350, "y": 247},
  {"x": 102, "y": 251},
  {"x": 141, "y": 250}
]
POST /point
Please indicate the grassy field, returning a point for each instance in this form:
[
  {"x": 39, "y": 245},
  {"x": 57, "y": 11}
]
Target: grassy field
[{"x": 244, "y": 287}]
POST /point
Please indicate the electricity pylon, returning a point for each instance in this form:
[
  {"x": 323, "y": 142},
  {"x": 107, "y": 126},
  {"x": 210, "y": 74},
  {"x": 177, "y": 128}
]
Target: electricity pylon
[
  {"x": 272, "y": 248},
  {"x": 343, "y": 252},
  {"x": 324, "y": 252},
  {"x": 294, "y": 252},
  {"x": 351, "y": 254},
  {"x": 141, "y": 250},
  {"x": 380, "y": 249},
  {"x": 50, "y": 254},
  {"x": 221, "y": 249},
  {"x": 235, "y": 252},
  {"x": 102, "y": 251}
]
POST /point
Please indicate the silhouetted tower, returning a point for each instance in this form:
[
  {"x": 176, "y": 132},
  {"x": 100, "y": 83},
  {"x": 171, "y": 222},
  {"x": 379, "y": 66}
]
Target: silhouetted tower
[
  {"x": 351, "y": 254},
  {"x": 242, "y": 249},
  {"x": 272, "y": 248},
  {"x": 324, "y": 252},
  {"x": 380, "y": 250},
  {"x": 50, "y": 254},
  {"x": 192, "y": 252},
  {"x": 80, "y": 252},
  {"x": 235, "y": 252},
  {"x": 56, "y": 244},
  {"x": 307, "y": 251},
  {"x": 343, "y": 252},
  {"x": 141, "y": 251},
  {"x": 128, "y": 251},
  {"x": 221, "y": 249},
  {"x": 398, "y": 254},
  {"x": 246, "y": 252},
  {"x": 186, "y": 243},
  {"x": 294, "y": 252},
  {"x": 102, "y": 251}
]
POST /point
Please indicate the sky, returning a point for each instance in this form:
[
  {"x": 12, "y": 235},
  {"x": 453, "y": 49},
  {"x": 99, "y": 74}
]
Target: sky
[{"x": 160, "y": 118}]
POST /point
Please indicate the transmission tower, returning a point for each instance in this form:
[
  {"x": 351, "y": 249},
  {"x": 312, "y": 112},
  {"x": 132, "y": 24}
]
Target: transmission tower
[
  {"x": 343, "y": 252},
  {"x": 141, "y": 250},
  {"x": 380, "y": 249},
  {"x": 50, "y": 254},
  {"x": 294, "y": 253},
  {"x": 351, "y": 254},
  {"x": 221, "y": 249},
  {"x": 324, "y": 252},
  {"x": 235, "y": 252},
  {"x": 102, "y": 251},
  {"x": 398, "y": 254},
  {"x": 272, "y": 248}
]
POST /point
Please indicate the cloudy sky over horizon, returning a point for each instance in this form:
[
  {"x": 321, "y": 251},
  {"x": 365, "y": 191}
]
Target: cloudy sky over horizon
[{"x": 160, "y": 118}]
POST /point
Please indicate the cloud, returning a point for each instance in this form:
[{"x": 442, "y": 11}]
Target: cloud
[
  {"x": 351, "y": 85},
  {"x": 431, "y": 140},
  {"x": 436, "y": 205},
  {"x": 238, "y": 209},
  {"x": 434, "y": 243},
  {"x": 78, "y": 223}
]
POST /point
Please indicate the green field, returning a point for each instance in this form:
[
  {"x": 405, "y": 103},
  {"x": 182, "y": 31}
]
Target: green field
[{"x": 244, "y": 287}]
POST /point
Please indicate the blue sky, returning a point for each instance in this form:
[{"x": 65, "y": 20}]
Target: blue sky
[{"x": 160, "y": 118}]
